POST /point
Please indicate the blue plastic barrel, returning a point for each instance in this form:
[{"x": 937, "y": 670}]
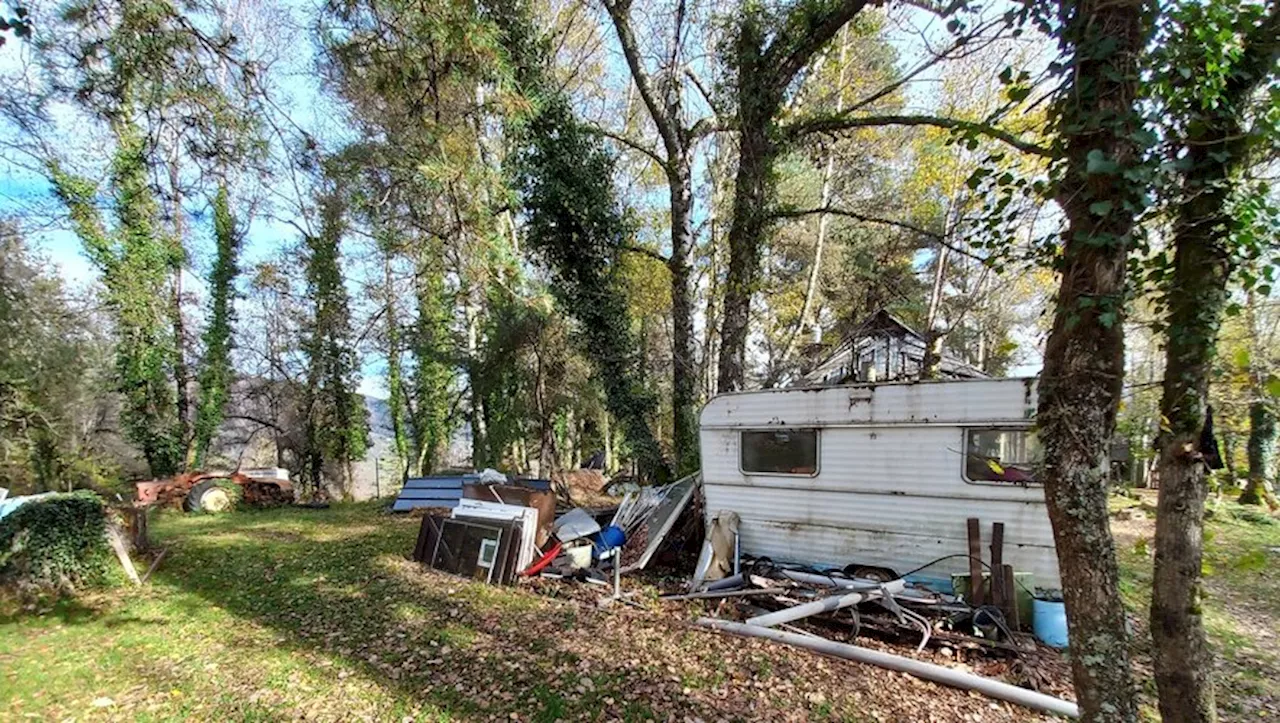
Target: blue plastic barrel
[{"x": 1049, "y": 621}]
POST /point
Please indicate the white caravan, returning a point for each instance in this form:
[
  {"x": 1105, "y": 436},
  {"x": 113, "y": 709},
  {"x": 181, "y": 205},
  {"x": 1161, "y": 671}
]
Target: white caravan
[{"x": 880, "y": 475}]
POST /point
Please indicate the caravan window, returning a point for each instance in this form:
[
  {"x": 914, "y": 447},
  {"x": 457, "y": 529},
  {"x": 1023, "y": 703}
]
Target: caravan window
[
  {"x": 1000, "y": 455},
  {"x": 780, "y": 451}
]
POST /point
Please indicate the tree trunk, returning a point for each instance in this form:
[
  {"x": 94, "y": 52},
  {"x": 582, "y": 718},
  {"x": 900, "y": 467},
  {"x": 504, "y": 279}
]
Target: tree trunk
[
  {"x": 1183, "y": 661},
  {"x": 1084, "y": 356},
  {"x": 768, "y": 52},
  {"x": 181, "y": 372},
  {"x": 711, "y": 327},
  {"x": 1261, "y": 443},
  {"x": 1261, "y": 450},
  {"x": 664, "y": 103},
  {"x": 824, "y": 219},
  {"x": 610, "y": 461},
  {"x": 932, "y": 339},
  {"x": 479, "y": 427},
  {"x": 684, "y": 395},
  {"x": 395, "y": 381},
  {"x": 1217, "y": 149},
  {"x": 752, "y": 193}
]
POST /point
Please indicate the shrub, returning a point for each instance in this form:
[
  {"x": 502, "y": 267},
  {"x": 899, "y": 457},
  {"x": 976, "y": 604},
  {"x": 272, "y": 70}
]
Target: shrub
[{"x": 56, "y": 544}]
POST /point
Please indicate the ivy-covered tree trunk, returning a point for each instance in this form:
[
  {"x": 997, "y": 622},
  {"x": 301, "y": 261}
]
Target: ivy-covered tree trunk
[
  {"x": 766, "y": 57},
  {"x": 753, "y": 190},
  {"x": 430, "y": 347},
  {"x": 577, "y": 225},
  {"x": 1097, "y": 119},
  {"x": 1216, "y": 151},
  {"x": 216, "y": 371},
  {"x": 395, "y": 370},
  {"x": 1183, "y": 661},
  {"x": 1261, "y": 452},
  {"x": 134, "y": 259},
  {"x": 664, "y": 102},
  {"x": 337, "y": 423}
]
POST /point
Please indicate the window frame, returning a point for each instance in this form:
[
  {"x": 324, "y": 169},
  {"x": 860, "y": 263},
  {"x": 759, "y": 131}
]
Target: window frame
[
  {"x": 964, "y": 456},
  {"x": 817, "y": 452}
]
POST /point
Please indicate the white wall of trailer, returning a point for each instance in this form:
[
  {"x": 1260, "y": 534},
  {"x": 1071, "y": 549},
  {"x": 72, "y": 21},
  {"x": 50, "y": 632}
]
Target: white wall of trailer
[{"x": 890, "y": 490}]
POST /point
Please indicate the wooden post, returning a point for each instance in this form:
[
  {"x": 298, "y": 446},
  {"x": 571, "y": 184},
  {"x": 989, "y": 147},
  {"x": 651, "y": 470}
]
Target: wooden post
[
  {"x": 997, "y": 568},
  {"x": 139, "y": 535},
  {"x": 1011, "y": 595},
  {"x": 975, "y": 561}
]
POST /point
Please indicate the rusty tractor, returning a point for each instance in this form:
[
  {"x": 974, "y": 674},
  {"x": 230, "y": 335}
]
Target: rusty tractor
[{"x": 207, "y": 491}]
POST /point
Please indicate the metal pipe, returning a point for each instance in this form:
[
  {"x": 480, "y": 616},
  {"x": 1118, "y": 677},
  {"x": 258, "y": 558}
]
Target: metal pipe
[
  {"x": 917, "y": 668},
  {"x": 726, "y": 593},
  {"x": 810, "y": 578},
  {"x": 824, "y": 605},
  {"x": 726, "y": 583}
]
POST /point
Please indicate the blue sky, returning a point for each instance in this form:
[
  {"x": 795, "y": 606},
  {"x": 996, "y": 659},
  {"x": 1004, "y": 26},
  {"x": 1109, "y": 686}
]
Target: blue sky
[{"x": 24, "y": 193}]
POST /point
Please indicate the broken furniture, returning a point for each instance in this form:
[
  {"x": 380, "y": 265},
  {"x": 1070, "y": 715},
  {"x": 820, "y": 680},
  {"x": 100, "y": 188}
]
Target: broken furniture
[
  {"x": 485, "y": 551},
  {"x": 521, "y": 493},
  {"x": 479, "y": 510}
]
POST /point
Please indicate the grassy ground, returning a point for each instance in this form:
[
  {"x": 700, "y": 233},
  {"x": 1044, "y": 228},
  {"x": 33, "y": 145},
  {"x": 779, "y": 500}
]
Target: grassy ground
[
  {"x": 315, "y": 614},
  {"x": 1242, "y": 605}
]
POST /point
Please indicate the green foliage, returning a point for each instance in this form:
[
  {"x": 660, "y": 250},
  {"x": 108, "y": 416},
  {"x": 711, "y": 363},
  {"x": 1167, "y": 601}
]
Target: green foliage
[
  {"x": 578, "y": 227},
  {"x": 431, "y": 377},
  {"x": 53, "y": 357},
  {"x": 55, "y": 544},
  {"x": 135, "y": 259},
  {"x": 163, "y": 65},
  {"x": 216, "y": 372},
  {"x": 576, "y": 224},
  {"x": 337, "y": 423}
]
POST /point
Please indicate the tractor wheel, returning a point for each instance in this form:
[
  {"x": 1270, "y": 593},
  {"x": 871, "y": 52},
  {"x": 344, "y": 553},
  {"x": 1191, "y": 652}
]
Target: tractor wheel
[{"x": 208, "y": 496}]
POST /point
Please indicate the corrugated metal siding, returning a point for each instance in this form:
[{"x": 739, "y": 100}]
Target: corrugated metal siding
[
  {"x": 442, "y": 491},
  {"x": 891, "y": 496}
]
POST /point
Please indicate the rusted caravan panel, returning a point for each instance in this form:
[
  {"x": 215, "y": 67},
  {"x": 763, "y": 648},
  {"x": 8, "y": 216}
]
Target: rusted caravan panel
[{"x": 881, "y": 475}]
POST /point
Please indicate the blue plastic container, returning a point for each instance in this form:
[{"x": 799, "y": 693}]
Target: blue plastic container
[
  {"x": 607, "y": 539},
  {"x": 1049, "y": 621}
]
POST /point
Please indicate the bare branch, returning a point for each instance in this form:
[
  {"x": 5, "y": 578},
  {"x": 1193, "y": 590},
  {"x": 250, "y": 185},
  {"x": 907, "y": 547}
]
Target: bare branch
[
  {"x": 867, "y": 218},
  {"x": 807, "y": 29},
  {"x": 703, "y": 91},
  {"x": 633, "y": 145},
  {"x": 834, "y": 124},
  {"x": 632, "y": 248},
  {"x": 668, "y": 126}
]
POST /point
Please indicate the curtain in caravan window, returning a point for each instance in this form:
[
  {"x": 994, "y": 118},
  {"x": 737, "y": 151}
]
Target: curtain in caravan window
[
  {"x": 780, "y": 451},
  {"x": 1000, "y": 455}
]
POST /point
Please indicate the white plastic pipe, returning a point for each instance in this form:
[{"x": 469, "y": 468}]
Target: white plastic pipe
[
  {"x": 810, "y": 578},
  {"x": 917, "y": 668},
  {"x": 827, "y": 604}
]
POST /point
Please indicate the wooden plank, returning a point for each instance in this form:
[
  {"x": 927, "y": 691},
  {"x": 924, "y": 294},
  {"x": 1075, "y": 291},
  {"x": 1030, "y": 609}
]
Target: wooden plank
[
  {"x": 997, "y": 568},
  {"x": 1011, "y": 594},
  {"x": 975, "y": 561},
  {"x": 116, "y": 539}
]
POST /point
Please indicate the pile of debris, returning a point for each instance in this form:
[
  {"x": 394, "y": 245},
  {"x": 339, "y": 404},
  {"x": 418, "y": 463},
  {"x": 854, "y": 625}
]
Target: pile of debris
[
  {"x": 771, "y": 601},
  {"x": 494, "y": 530},
  {"x": 498, "y": 532}
]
